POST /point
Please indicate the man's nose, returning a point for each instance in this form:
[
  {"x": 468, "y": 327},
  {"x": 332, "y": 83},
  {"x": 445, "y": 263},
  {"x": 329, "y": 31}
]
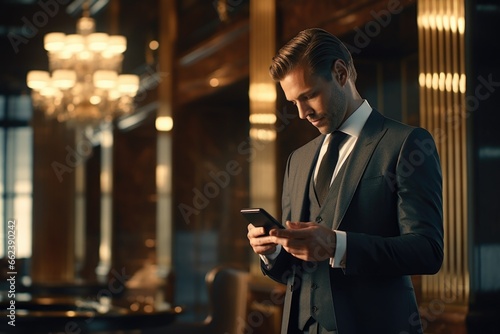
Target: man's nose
[{"x": 304, "y": 109}]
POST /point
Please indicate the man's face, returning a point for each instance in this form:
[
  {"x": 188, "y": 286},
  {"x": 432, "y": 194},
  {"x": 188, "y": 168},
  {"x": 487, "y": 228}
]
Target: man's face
[{"x": 321, "y": 102}]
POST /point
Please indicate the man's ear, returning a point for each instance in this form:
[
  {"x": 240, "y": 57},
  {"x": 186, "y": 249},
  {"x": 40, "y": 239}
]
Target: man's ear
[{"x": 340, "y": 72}]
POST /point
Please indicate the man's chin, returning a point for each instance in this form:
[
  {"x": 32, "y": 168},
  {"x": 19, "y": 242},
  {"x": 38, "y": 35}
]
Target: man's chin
[{"x": 323, "y": 129}]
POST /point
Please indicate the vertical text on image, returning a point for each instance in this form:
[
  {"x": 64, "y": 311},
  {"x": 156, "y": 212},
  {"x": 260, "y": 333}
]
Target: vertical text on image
[{"x": 11, "y": 273}]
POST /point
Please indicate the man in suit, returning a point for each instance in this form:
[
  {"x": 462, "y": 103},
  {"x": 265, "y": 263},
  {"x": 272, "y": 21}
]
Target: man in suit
[{"x": 347, "y": 256}]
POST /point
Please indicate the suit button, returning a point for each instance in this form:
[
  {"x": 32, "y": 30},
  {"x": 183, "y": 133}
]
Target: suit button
[
  {"x": 314, "y": 309},
  {"x": 319, "y": 220},
  {"x": 314, "y": 286}
]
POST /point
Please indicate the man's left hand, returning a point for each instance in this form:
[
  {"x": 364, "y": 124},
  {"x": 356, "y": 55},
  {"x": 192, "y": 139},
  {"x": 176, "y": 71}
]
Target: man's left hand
[{"x": 307, "y": 241}]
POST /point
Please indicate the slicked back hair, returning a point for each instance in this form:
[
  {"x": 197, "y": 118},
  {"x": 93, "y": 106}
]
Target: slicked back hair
[{"x": 315, "y": 48}]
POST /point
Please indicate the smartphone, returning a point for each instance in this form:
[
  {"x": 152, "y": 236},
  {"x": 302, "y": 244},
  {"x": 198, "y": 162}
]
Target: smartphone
[{"x": 259, "y": 217}]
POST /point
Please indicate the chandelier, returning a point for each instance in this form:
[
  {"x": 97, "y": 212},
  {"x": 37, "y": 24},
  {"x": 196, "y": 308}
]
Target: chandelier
[{"x": 84, "y": 86}]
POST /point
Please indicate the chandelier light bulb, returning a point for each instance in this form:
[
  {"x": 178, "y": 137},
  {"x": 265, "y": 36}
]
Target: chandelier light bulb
[
  {"x": 105, "y": 79},
  {"x": 54, "y": 41},
  {"x": 63, "y": 79},
  {"x": 114, "y": 94},
  {"x": 49, "y": 91},
  {"x": 128, "y": 84},
  {"x": 74, "y": 43},
  {"x": 38, "y": 79},
  {"x": 97, "y": 41},
  {"x": 116, "y": 44},
  {"x": 95, "y": 99},
  {"x": 64, "y": 54},
  {"x": 85, "y": 55}
]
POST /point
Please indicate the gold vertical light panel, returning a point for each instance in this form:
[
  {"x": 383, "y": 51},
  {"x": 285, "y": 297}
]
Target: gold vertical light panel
[
  {"x": 441, "y": 27},
  {"x": 106, "y": 178},
  {"x": 80, "y": 206},
  {"x": 164, "y": 124},
  {"x": 262, "y": 96}
]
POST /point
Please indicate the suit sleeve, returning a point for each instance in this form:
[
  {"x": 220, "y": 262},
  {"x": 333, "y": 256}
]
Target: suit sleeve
[
  {"x": 283, "y": 266},
  {"x": 417, "y": 187}
]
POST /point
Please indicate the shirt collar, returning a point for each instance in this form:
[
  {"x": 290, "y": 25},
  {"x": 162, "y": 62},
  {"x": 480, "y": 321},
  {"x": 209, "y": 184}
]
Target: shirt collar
[{"x": 354, "y": 124}]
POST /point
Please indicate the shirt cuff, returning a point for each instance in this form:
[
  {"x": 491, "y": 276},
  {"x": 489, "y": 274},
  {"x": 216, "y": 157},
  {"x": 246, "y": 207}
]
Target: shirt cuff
[
  {"x": 267, "y": 259},
  {"x": 338, "y": 261}
]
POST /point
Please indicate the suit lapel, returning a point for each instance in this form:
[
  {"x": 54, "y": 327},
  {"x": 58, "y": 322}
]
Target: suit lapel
[{"x": 369, "y": 138}]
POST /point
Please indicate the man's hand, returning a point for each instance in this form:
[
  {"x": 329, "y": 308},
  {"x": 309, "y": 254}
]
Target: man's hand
[
  {"x": 261, "y": 243},
  {"x": 306, "y": 241}
]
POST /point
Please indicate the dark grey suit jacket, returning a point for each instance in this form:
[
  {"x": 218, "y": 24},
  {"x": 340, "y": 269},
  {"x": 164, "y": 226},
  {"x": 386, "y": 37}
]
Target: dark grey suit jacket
[{"x": 390, "y": 205}]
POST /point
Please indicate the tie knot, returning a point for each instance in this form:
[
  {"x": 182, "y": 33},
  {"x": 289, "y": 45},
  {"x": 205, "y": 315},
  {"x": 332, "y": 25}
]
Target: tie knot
[{"x": 336, "y": 137}]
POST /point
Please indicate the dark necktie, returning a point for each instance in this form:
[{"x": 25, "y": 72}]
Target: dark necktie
[{"x": 328, "y": 163}]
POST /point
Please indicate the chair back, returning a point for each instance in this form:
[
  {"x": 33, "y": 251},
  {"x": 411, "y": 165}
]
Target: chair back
[{"x": 228, "y": 295}]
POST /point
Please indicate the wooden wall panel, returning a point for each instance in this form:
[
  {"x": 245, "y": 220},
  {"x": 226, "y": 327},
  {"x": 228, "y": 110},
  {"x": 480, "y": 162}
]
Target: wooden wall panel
[
  {"x": 53, "y": 200},
  {"x": 134, "y": 200}
]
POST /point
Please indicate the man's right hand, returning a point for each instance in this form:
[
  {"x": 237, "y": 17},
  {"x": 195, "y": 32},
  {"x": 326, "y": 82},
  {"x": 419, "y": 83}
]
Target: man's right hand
[{"x": 261, "y": 242}]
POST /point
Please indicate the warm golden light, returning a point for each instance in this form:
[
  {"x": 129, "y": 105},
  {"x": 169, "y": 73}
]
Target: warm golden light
[
  {"x": 65, "y": 92},
  {"x": 95, "y": 100},
  {"x": 461, "y": 25},
  {"x": 49, "y": 91},
  {"x": 463, "y": 83},
  {"x": 263, "y": 92},
  {"x": 97, "y": 42},
  {"x": 54, "y": 42},
  {"x": 455, "y": 82},
  {"x": 442, "y": 22},
  {"x": 262, "y": 118},
  {"x": 150, "y": 243},
  {"x": 116, "y": 45},
  {"x": 63, "y": 79},
  {"x": 449, "y": 82},
  {"x": 164, "y": 123},
  {"x": 74, "y": 43},
  {"x": 105, "y": 79},
  {"x": 442, "y": 48},
  {"x": 262, "y": 134},
  {"x": 442, "y": 80},
  {"x": 214, "y": 82},
  {"x": 162, "y": 176},
  {"x": 38, "y": 79},
  {"x": 154, "y": 45},
  {"x": 106, "y": 139},
  {"x": 128, "y": 84},
  {"x": 70, "y": 314}
]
